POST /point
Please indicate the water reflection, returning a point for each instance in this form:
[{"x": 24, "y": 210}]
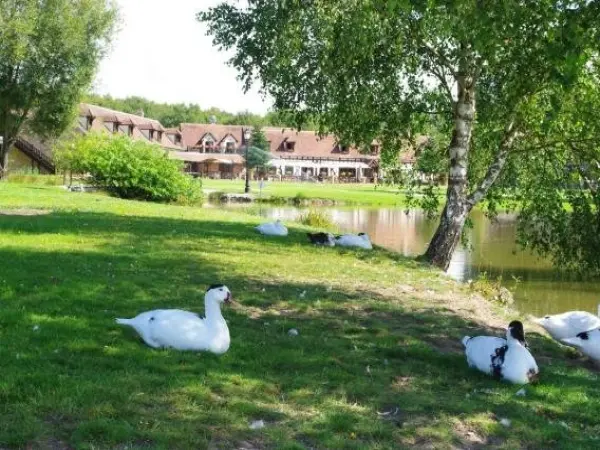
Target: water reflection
[{"x": 538, "y": 288}]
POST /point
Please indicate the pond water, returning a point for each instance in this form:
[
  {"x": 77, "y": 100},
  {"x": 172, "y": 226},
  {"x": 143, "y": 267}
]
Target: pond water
[{"x": 539, "y": 290}]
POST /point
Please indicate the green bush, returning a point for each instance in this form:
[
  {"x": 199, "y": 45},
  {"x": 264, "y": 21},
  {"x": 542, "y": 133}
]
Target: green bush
[
  {"x": 128, "y": 168},
  {"x": 317, "y": 219}
]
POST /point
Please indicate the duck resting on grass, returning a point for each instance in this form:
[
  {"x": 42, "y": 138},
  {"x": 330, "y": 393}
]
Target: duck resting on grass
[
  {"x": 588, "y": 342},
  {"x": 508, "y": 359},
  {"x": 184, "y": 330},
  {"x": 325, "y": 239},
  {"x": 569, "y": 324},
  {"x": 273, "y": 229},
  {"x": 360, "y": 240}
]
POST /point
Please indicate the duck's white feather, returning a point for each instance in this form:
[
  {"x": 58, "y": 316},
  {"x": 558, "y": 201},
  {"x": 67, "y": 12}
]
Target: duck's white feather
[
  {"x": 568, "y": 324},
  {"x": 588, "y": 342},
  {"x": 273, "y": 229},
  {"x": 354, "y": 240},
  {"x": 484, "y": 353},
  {"x": 184, "y": 330}
]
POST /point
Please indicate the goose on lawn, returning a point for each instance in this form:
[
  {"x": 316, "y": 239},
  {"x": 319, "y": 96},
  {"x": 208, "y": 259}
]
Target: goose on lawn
[
  {"x": 508, "y": 359},
  {"x": 184, "y": 330},
  {"x": 568, "y": 324},
  {"x": 273, "y": 229}
]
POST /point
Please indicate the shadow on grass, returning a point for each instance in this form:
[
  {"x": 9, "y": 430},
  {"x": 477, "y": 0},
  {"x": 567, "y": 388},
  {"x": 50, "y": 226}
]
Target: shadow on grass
[{"x": 366, "y": 371}]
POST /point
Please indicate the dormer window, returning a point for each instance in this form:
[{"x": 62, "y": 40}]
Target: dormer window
[
  {"x": 209, "y": 146},
  {"x": 374, "y": 149},
  {"x": 85, "y": 122},
  {"x": 110, "y": 126},
  {"x": 159, "y": 136},
  {"x": 230, "y": 147},
  {"x": 288, "y": 146},
  {"x": 126, "y": 129},
  {"x": 151, "y": 135},
  {"x": 177, "y": 139},
  {"x": 146, "y": 134}
]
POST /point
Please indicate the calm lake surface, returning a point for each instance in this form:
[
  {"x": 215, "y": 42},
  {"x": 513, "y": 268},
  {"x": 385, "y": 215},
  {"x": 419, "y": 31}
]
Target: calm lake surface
[{"x": 540, "y": 290}]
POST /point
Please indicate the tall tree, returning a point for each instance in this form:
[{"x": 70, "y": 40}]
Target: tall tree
[
  {"x": 49, "y": 51},
  {"x": 380, "y": 69},
  {"x": 259, "y": 139}
]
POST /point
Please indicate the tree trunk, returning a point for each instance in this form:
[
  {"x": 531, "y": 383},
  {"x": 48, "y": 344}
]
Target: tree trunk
[
  {"x": 457, "y": 208},
  {"x": 4, "y": 148}
]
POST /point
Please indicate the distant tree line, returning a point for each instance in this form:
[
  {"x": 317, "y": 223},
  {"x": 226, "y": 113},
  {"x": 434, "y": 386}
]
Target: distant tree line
[{"x": 171, "y": 115}]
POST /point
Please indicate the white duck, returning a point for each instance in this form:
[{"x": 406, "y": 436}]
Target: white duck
[
  {"x": 569, "y": 324},
  {"x": 588, "y": 342},
  {"x": 360, "y": 240},
  {"x": 273, "y": 229},
  {"x": 508, "y": 359},
  {"x": 185, "y": 330}
]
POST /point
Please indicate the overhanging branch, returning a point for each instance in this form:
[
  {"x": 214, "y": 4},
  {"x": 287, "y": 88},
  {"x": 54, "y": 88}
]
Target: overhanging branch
[{"x": 510, "y": 132}]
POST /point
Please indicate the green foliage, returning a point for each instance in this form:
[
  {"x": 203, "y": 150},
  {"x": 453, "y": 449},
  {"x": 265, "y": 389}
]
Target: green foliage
[
  {"x": 49, "y": 52},
  {"x": 259, "y": 139},
  {"x": 257, "y": 157},
  {"x": 497, "y": 79},
  {"x": 317, "y": 218},
  {"x": 128, "y": 168}
]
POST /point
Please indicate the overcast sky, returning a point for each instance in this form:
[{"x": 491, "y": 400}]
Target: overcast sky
[{"x": 161, "y": 52}]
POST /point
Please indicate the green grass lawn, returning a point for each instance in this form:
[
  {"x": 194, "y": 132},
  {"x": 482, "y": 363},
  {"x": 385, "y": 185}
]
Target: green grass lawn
[
  {"x": 357, "y": 194},
  {"x": 377, "y": 333}
]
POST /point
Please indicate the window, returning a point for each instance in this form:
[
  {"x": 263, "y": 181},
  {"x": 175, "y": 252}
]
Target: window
[
  {"x": 159, "y": 135},
  {"x": 344, "y": 149},
  {"x": 230, "y": 147},
  {"x": 374, "y": 149},
  {"x": 85, "y": 122},
  {"x": 126, "y": 129},
  {"x": 290, "y": 146},
  {"x": 289, "y": 170},
  {"x": 146, "y": 134},
  {"x": 209, "y": 146},
  {"x": 177, "y": 139},
  {"x": 110, "y": 126},
  {"x": 151, "y": 135}
]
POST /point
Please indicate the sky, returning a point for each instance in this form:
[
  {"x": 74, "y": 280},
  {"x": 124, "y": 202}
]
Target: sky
[{"x": 161, "y": 52}]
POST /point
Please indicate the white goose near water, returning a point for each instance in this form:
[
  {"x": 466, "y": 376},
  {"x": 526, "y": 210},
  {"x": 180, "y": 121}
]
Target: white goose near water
[
  {"x": 508, "y": 359},
  {"x": 588, "y": 342},
  {"x": 184, "y": 330},
  {"x": 273, "y": 229},
  {"x": 569, "y": 324},
  {"x": 360, "y": 240}
]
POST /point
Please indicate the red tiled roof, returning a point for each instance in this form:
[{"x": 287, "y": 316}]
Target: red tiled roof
[
  {"x": 103, "y": 115},
  {"x": 306, "y": 143}
]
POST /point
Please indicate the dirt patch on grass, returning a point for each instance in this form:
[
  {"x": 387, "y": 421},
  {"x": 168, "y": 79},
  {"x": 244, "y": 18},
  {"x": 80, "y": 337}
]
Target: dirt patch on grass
[{"x": 24, "y": 212}]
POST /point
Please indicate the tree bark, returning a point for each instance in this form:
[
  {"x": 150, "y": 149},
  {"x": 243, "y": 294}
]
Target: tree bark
[
  {"x": 4, "y": 148},
  {"x": 454, "y": 215}
]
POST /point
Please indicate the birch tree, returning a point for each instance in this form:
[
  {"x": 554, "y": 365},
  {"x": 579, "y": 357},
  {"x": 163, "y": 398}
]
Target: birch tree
[{"x": 381, "y": 69}]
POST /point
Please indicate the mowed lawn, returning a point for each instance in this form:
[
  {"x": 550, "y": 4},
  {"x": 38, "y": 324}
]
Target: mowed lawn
[
  {"x": 377, "y": 363},
  {"x": 358, "y": 194}
]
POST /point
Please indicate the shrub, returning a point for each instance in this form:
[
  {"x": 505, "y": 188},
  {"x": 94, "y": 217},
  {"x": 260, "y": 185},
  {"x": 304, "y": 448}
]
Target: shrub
[
  {"x": 317, "y": 219},
  {"x": 128, "y": 168}
]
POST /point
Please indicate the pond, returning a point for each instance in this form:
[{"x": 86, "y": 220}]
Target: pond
[{"x": 538, "y": 289}]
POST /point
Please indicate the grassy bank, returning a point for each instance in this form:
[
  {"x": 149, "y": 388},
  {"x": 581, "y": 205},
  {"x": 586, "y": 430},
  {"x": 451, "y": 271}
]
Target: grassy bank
[
  {"x": 377, "y": 362},
  {"x": 349, "y": 194}
]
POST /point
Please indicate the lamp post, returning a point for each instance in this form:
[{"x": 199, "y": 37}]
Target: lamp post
[{"x": 247, "y": 136}]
